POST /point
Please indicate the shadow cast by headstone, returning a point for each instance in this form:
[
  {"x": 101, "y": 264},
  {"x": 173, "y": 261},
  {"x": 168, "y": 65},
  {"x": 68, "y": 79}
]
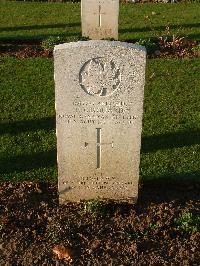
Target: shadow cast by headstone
[
  {"x": 149, "y": 143},
  {"x": 43, "y": 26},
  {"x": 27, "y": 162},
  {"x": 176, "y": 189},
  {"x": 194, "y": 36},
  {"x": 134, "y": 30},
  {"x": 35, "y": 39},
  {"x": 161, "y": 28},
  {"x": 170, "y": 140},
  {"x": 16, "y": 127}
]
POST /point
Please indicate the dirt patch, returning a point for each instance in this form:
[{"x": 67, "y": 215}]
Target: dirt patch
[
  {"x": 176, "y": 47},
  {"x": 162, "y": 48},
  {"x": 34, "y": 228},
  {"x": 24, "y": 51}
]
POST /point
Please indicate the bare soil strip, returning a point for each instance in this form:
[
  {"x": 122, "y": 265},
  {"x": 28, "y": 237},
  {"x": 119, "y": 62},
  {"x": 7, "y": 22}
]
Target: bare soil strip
[{"x": 35, "y": 230}]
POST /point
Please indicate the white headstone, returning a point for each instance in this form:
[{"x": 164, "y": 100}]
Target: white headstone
[
  {"x": 100, "y": 19},
  {"x": 99, "y": 105}
]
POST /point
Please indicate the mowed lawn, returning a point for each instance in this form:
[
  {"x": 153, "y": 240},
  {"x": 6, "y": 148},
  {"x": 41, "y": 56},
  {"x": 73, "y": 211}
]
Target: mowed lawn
[
  {"x": 37, "y": 21},
  {"x": 171, "y": 125}
]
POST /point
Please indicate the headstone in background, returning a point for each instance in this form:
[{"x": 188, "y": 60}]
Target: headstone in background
[
  {"x": 99, "y": 105},
  {"x": 100, "y": 19}
]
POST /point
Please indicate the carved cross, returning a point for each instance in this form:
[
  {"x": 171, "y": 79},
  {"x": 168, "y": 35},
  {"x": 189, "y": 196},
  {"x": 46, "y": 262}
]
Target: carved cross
[
  {"x": 100, "y": 14},
  {"x": 99, "y": 144}
]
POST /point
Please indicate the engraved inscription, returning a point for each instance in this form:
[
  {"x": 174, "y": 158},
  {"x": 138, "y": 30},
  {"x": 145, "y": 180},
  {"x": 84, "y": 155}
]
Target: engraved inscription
[
  {"x": 99, "y": 77},
  {"x": 99, "y": 113},
  {"x": 99, "y": 183},
  {"x": 101, "y": 32}
]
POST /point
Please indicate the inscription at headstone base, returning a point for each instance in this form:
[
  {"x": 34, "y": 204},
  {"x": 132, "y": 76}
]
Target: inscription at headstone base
[
  {"x": 100, "y": 18},
  {"x": 99, "y": 104}
]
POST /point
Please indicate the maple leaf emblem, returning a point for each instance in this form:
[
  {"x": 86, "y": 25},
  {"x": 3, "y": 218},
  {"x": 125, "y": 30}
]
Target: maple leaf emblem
[{"x": 99, "y": 76}]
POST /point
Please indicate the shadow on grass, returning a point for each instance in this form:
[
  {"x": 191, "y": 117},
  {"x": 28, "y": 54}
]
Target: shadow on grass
[
  {"x": 146, "y": 29},
  {"x": 36, "y": 39},
  {"x": 170, "y": 178},
  {"x": 44, "y": 26},
  {"x": 27, "y": 162},
  {"x": 193, "y": 36},
  {"x": 78, "y": 24},
  {"x": 170, "y": 140},
  {"x": 48, "y": 158},
  {"x": 40, "y": 37},
  {"x": 149, "y": 143},
  {"x": 17, "y": 127}
]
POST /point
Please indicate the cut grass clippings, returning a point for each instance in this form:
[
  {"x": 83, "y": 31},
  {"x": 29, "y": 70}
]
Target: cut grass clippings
[{"x": 171, "y": 125}]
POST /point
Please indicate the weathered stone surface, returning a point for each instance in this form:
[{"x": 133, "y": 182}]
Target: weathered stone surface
[
  {"x": 99, "y": 105},
  {"x": 100, "y": 19}
]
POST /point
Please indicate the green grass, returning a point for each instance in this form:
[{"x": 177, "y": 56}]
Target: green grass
[
  {"x": 171, "y": 143},
  {"x": 171, "y": 130},
  {"x": 27, "y": 120},
  {"x": 37, "y": 21},
  {"x": 188, "y": 222}
]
